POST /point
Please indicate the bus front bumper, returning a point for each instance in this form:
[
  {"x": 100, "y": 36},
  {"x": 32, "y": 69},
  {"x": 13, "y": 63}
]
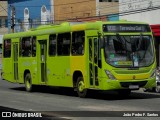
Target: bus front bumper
[{"x": 128, "y": 84}]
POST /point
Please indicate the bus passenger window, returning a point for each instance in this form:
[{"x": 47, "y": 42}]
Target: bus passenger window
[
  {"x": 33, "y": 46},
  {"x": 63, "y": 44},
  {"x": 78, "y": 43},
  {"x": 52, "y": 45},
  {"x": 26, "y": 47},
  {"x": 66, "y": 46},
  {"x": 7, "y": 48}
]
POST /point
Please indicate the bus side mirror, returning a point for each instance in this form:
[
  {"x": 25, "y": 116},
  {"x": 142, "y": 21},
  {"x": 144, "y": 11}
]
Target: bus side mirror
[{"x": 102, "y": 43}]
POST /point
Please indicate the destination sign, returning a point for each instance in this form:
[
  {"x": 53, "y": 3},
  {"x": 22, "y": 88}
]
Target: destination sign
[{"x": 126, "y": 28}]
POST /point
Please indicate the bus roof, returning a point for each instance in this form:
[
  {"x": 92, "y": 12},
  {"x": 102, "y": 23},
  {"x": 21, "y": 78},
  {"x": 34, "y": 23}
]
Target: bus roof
[{"x": 66, "y": 27}]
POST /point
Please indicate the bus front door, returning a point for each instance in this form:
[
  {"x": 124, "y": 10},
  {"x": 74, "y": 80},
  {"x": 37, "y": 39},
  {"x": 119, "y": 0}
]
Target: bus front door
[
  {"x": 43, "y": 53},
  {"x": 15, "y": 61},
  {"x": 93, "y": 61}
]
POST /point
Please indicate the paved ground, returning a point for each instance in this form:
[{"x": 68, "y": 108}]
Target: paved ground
[{"x": 52, "y": 100}]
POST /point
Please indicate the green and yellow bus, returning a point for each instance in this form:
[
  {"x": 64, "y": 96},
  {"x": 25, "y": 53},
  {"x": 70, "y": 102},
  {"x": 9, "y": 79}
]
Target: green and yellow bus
[{"x": 88, "y": 55}]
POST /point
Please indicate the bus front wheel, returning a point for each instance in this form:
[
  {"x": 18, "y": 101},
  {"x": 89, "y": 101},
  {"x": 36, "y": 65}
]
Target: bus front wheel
[
  {"x": 81, "y": 90},
  {"x": 28, "y": 82}
]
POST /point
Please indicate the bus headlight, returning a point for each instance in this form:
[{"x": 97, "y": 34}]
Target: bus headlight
[
  {"x": 153, "y": 74},
  {"x": 110, "y": 75}
]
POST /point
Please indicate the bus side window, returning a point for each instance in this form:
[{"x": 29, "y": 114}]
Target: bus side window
[
  {"x": 20, "y": 46},
  {"x": 78, "y": 39},
  {"x": 64, "y": 44},
  {"x": 33, "y": 46},
  {"x": 52, "y": 45},
  {"x": 7, "y": 48},
  {"x": 26, "y": 47}
]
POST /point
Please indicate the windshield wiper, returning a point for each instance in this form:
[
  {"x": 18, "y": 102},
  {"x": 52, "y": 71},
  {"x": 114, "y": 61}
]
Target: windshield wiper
[
  {"x": 140, "y": 41},
  {"x": 119, "y": 38},
  {"x": 121, "y": 41},
  {"x": 145, "y": 49}
]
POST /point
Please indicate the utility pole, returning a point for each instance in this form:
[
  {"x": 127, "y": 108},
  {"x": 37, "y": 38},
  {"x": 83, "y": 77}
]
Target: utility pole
[
  {"x": 30, "y": 22},
  {"x": 12, "y": 18}
]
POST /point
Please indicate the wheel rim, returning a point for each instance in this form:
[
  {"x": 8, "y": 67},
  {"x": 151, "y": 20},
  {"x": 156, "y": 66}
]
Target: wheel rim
[
  {"x": 157, "y": 89},
  {"x": 81, "y": 86}
]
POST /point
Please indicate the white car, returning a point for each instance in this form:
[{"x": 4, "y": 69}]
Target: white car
[{"x": 157, "y": 88}]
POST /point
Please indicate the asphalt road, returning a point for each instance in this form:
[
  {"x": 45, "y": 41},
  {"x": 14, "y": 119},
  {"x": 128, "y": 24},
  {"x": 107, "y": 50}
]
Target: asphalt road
[{"x": 62, "y": 103}]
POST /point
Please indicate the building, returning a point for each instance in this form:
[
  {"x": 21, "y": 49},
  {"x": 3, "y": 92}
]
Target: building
[
  {"x": 144, "y": 11},
  {"x": 26, "y": 14},
  {"x": 3, "y": 17},
  {"x": 109, "y": 8},
  {"x": 3, "y": 23},
  {"x": 82, "y": 10}
]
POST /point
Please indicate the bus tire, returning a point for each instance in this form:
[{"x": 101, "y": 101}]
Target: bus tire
[
  {"x": 81, "y": 90},
  {"x": 28, "y": 82},
  {"x": 157, "y": 89}
]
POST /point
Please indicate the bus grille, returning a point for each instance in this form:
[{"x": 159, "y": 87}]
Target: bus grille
[
  {"x": 131, "y": 71},
  {"x": 127, "y": 84}
]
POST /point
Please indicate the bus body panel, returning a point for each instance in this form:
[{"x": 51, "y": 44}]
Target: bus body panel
[
  {"x": 59, "y": 70},
  {"x": 7, "y": 69}
]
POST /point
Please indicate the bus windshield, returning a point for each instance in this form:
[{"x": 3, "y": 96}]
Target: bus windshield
[{"x": 129, "y": 51}]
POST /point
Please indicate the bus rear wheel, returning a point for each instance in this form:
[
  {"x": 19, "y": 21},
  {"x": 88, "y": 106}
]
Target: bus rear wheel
[
  {"x": 28, "y": 82},
  {"x": 81, "y": 90}
]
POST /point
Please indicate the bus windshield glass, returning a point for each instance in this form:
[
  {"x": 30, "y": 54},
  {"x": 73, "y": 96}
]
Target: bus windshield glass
[{"x": 129, "y": 51}]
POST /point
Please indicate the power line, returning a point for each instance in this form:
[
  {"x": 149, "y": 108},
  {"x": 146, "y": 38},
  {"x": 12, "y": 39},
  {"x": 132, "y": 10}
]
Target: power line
[
  {"x": 60, "y": 4},
  {"x": 129, "y": 12},
  {"x": 140, "y": 11},
  {"x": 4, "y": 9},
  {"x": 3, "y": 25},
  {"x": 122, "y": 3},
  {"x": 120, "y": 14},
  {"x": 110, "y": 7},
  {"x": 124, "y": 13}
]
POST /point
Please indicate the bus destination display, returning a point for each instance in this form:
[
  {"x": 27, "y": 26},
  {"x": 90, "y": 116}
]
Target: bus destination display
[{"x": 126, "y": 28}]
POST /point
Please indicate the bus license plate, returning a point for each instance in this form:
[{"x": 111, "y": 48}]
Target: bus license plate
[{"x": 133, "y": 87}]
